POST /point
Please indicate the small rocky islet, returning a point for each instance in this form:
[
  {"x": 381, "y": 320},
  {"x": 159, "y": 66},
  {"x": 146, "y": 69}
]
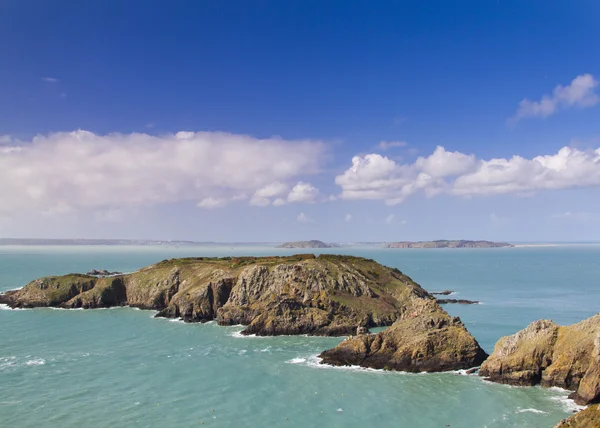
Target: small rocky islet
[{"x": 333, "y": 295}]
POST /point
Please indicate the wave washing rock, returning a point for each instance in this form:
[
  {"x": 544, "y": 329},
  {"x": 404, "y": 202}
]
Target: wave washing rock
[
  {"x": 587, "y": 418},
  {"x": 424, "y": 339},
  {"x": 547, "y": 354},
  {"x": 302, "y": 294}
]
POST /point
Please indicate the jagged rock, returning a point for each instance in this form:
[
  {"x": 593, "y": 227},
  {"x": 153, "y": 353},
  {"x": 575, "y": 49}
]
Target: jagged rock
[
  {"x": 425, "y": 338},
  {"x": 442, "y": 293},
  {"x": 361, "y": 330},
  {"x": 547, "y": 354},
  {"x": 103, "y": 272},
  {"x": 303, "y": 294},
  {"x": 587, "y": 418},
  {"x": 459, "y": 301}
]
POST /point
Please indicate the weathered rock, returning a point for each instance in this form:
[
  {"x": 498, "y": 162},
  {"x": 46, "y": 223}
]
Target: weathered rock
[
  {"x": 587, "y": 418},
  {"x": 328, "y": 295},
  {"x": 442, "y": 293},
  {"x": 103, "y": 272},
  {"x": 547, "y": 354},
  {"x": 425, "y": 338},
  {"x": 459, "y": 301}
]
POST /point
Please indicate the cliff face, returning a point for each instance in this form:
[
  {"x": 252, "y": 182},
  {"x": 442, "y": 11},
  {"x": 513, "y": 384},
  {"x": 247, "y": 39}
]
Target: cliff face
[
  {"x": 425, "y": 338},
  {"x": 328, "y": 295},
  {"x": 587, "y": 418},
  {"x": 547, "y": 354}
]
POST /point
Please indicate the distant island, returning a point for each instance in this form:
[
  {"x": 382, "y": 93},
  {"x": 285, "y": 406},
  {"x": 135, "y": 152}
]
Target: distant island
[
  {"x": 306, "y": 244},
  {"x": 447, "y": 244}
]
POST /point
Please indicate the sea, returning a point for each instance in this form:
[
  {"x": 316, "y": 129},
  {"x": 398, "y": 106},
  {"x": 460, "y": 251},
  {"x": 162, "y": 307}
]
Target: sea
[{"x": 123, "y": 368}]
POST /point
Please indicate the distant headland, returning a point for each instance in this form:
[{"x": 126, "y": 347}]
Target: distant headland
[
  {"x": 447, "y": 244},
  {"x": 306, "y": 244}
]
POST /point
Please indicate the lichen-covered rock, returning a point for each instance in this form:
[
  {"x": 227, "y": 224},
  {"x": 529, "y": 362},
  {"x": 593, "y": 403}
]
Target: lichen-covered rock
[
  {"x": 303, "y": 294},
  {"x": 547, "y": 354},
  {"x": 424, "y": 339},
  {"x": 587, "y": 418}
]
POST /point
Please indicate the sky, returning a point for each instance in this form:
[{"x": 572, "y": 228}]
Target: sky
[{"x": 274, "y": 121}]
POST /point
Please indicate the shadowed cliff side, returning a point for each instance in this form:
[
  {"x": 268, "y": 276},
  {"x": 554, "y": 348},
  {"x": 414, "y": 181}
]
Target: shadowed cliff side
[
  {"x": 303, "y": 294},
  {"x": 547, "y": 354}
]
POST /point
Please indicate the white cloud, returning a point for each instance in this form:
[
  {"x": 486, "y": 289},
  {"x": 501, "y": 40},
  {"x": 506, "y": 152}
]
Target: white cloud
[
  {"x": 303, "y": 192},
  {"x": 212, "y": 203},
  {"x": 574, "y": 216},
  {"x": 579, "y": 93},
  {"x": 374, "y": 176},
  {"x": 348, "y": 218},
  {"x": 5, "y": 139},
  {"x": 279, "y": 202},
  {"x": 50, "y": 79},
  {"x": 85, "y": 171},
  {"x": 303, "y": 218},
  {"x": 390, "y": 218},
  {"x": 385, "y": 145},
  {"x": 262, "y": 196}
]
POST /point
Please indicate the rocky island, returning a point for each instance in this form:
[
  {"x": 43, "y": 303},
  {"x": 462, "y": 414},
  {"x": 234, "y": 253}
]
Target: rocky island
[
  {"x": 447, "y": 244},
  {"x": 303, "y": 294},
  {"x": 551, "y": 355},
  {"x": 306, "y": 244}
]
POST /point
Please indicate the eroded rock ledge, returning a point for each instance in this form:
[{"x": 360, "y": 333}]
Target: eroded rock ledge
[
  {"x": 547, "y": 354},
  {"x": 587, "y": 418},
  {"x": 424, "y": 339}
]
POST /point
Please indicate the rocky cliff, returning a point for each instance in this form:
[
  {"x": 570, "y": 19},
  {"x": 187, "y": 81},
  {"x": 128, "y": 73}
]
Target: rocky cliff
[
  {"x": 424, "y": 338},
  {"x": 303, "y": 294},
  {"x": 587, "y": 418},
  {"x": 547, "y": 354}
]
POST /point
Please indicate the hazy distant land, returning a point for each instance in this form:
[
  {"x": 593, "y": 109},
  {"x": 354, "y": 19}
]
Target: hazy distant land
[{"x": 447, "y": 244}]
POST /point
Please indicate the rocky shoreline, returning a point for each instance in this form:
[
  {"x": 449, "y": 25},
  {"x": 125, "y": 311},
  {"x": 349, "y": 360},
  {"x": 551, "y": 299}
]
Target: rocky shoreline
[{"x": 332, "y": 295}]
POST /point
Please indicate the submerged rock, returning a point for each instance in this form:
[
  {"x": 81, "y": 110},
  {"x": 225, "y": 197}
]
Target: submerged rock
[
  {"x": 547, "y": 354},
  {"x": 587, "y": 418},
  {"x": 424, "y": 339},
  {"x": 303, "y": 294}
]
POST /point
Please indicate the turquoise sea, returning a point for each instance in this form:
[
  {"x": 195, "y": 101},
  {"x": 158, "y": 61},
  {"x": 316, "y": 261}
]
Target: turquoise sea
[{"x": 122, "y": 368}]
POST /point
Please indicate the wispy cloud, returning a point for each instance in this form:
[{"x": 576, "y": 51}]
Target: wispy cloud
[
  {"x": 303, "y": 218},
  {"x": 579, "y": 93},
  {"x": 348, "y": 218},
  {"x": 50, "y": 79},
  {"x": 574, "y": 216},
  {"x": 386, "y": 145},
  {"x": 390, "y": 218}
]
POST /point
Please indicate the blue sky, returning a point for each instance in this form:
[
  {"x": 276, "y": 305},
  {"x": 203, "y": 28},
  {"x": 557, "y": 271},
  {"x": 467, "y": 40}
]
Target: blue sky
[{"x": 198, "y": 116}]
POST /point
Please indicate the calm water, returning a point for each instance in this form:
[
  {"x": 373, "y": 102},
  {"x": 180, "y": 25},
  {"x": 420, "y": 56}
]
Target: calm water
[{"x": 121, "y": 368}]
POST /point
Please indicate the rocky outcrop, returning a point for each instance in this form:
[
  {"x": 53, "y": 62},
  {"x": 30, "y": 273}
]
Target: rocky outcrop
[
  {"x": 103, "y": 272},
  {"x": 459, "y": 301},
  {"x": 303, "y": 294},
  {"x": 424, "y": 339},
  {"x": 547, "y": 354},
  {"x": 587, "y": 418},
  {"x": 442, "y": 293}
]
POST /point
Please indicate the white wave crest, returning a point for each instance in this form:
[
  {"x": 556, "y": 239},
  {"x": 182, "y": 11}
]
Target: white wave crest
[
  {"x": 36, "y": 362},
  {"x": 529, "y": 410}
]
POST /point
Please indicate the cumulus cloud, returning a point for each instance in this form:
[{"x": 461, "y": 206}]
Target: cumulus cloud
[
  {"x": 579, "y": 93},
  {"x": 303, "y": 218},
  {"x": 374, "y": 176},
  {"x": 303, "y": 192},
  {"x": 386, "y": 145},
  {"x": 81, "y": 170}
]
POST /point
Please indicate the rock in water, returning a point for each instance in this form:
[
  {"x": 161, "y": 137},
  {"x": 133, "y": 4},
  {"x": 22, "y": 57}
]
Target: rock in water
[
  {"x": 425, "y": 338},
  {"x": 587, "y": 418},
  {"x": 547, "y": 354},
  {"x": 303, "y": 294}
]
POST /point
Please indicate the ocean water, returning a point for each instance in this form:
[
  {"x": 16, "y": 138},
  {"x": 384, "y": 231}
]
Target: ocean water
[{"x": 122, "y": 368}]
